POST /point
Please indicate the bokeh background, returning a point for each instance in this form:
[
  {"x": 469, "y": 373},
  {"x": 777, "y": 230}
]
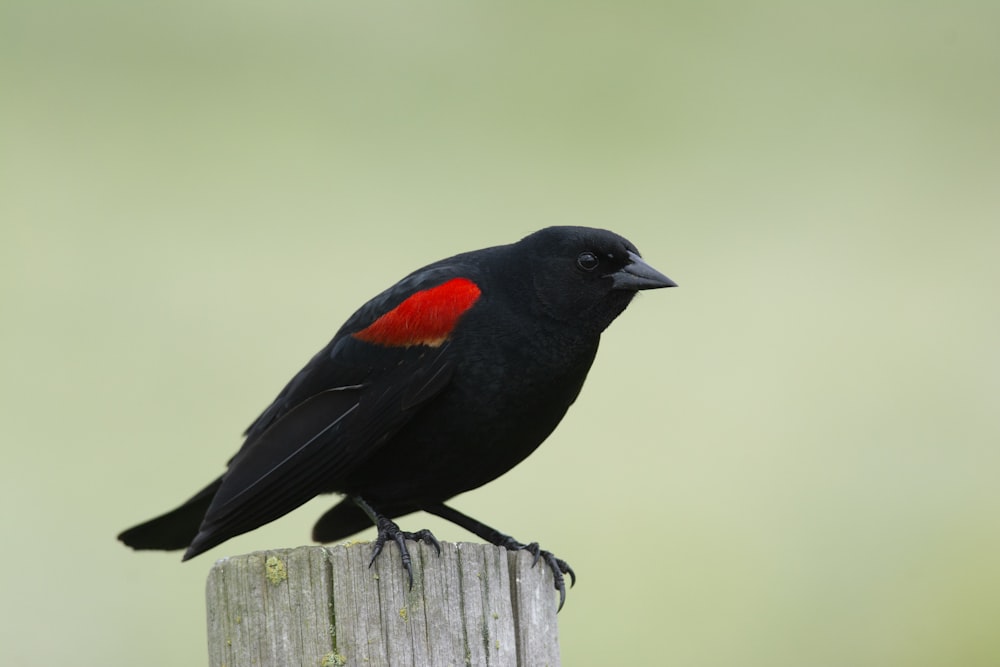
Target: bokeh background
[{"x": 792, "y": 459}]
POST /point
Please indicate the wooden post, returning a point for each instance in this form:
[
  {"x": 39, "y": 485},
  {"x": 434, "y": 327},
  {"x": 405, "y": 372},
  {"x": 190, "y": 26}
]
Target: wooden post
[{"x": 475, "y": 604}]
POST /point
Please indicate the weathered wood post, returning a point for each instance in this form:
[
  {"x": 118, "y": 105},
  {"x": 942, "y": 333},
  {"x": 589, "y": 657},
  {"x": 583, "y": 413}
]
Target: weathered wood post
[{"x": 476, "y": 604}]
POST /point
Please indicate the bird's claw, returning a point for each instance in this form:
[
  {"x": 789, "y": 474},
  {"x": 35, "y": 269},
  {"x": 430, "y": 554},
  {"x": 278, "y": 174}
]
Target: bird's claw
[
  {"x": 388, "y": 530},
  {"x": 558, "y": 566}
]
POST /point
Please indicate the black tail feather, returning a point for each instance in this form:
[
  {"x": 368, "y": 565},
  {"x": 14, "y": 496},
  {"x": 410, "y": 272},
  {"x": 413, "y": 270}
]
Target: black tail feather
[{"x": 175, "y": 529}]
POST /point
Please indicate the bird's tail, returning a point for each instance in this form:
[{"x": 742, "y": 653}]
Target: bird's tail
[{"x": 175, "y": 529}]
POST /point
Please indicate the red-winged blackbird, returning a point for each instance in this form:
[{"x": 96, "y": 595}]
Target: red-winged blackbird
[{"x": 438, "y": 385}]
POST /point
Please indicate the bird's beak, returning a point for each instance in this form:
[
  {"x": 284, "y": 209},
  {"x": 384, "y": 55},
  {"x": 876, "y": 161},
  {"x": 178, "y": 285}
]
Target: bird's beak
[{"x": 637, "y": 275}]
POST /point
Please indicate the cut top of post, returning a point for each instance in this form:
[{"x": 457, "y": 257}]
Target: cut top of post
[{"x": 475, "y": 604}]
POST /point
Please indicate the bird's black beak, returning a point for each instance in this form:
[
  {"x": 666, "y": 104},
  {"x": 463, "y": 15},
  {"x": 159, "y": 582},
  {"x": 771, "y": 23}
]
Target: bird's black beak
[{"x": 637, "y": 275}]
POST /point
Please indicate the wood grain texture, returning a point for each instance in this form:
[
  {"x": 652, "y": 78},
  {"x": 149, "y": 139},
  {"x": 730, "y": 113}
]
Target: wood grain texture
[{"x": 475, "y": 604}]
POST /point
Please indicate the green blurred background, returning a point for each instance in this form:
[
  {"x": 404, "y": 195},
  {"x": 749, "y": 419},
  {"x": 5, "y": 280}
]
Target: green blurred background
[{"x": 790, "y": 460}]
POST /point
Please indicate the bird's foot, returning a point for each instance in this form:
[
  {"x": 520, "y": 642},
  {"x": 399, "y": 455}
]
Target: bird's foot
[
  {"x": 389, "y": 531},
  {"x": 558, "y": 566}
]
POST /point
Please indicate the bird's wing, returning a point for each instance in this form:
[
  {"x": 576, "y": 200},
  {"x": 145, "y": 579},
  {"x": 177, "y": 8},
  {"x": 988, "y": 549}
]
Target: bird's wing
[
  {"x": 340, "y": 364},
  {"x": 313, "y": 447},
  {"x": 350, "y": 399}
]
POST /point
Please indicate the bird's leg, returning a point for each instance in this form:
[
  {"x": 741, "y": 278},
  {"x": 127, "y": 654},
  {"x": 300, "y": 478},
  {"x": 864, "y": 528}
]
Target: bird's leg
[
  {"x": 388, "y": 530},
  {"x": 558, "y": 566}
]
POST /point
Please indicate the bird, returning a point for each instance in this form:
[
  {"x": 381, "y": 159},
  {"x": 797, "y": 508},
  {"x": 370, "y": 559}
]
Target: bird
[{"x": 439, "y": 384}]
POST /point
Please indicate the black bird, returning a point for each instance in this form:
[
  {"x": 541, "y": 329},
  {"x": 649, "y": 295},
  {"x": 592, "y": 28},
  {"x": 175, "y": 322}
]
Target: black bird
[{"x": 438, "y": 385}]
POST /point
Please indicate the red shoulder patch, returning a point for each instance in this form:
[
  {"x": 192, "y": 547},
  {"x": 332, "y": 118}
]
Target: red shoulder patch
[{"x": 426, "y": 317}]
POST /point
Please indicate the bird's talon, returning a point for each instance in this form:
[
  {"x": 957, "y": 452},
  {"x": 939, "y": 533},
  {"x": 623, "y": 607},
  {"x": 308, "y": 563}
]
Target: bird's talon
[
  {"x": 560, "y": 585},
  {"x": 534, "y": 550},
  {"x": 558, "y": 566},
  {"x": 566, "y": 569},
  {"x": 388, "y": 530},
  {"x": 426, "y": 536}
]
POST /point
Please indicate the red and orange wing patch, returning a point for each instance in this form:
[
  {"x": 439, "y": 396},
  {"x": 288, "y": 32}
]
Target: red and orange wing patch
[{"x": 426, "y": 317}]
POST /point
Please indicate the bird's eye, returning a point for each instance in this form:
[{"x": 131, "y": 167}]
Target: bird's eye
[{"x": 587, "y": 261}]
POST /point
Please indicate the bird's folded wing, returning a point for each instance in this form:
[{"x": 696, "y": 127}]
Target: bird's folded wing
[{"x": 315, "y": 445}]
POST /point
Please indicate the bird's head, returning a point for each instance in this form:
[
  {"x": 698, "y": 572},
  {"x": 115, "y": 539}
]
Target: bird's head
[{"x": 585, "y": 276}]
